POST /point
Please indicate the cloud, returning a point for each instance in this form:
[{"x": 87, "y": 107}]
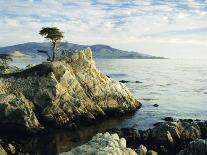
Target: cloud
[{"x": 120, "y": 23}]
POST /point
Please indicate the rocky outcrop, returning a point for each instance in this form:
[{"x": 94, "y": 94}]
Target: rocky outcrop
[
  {"x": 103, "y": 144},
  {"x": 197, "y": 147},
  {"x": 166, "y": 138},
  {"x": 65, "y": 93}
]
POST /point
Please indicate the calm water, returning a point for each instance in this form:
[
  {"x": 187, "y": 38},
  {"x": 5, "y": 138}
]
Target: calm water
[{"x": 179, "y": 87}]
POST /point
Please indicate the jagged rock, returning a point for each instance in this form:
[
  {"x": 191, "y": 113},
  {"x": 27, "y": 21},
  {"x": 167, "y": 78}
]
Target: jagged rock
[
  {"x": 167, "y": 138},
  {"x": 2, "y": 151},
  {"x": 67, "y": 92},
  {"x": 16, "y": 111},
  {"x": 197, "y": 147},
  {"x": 11, "y": 148},
  {"x": 141, "y": 150},
  {"x": 103, "y": 144}
]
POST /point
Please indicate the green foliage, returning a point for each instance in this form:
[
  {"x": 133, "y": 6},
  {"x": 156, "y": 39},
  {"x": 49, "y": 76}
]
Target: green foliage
[
  {"x": 51, "y": 33},
  {"x": 5, "y": 59}
]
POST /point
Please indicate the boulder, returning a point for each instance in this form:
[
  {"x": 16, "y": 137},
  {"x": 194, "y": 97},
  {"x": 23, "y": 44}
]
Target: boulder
[
  {"x": 2, "y": 151},
  {"x": 197, "y": 147},
  {"x": 141, "y": 150},
  {"x": 66, "y": 93},
  {"x": 16, "y": 111},
  {"x": 151, "y": 152},
  {"x": 103, "y": 144}
]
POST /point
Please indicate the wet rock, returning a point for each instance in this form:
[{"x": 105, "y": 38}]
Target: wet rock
[
  {"x": 141, "y": 150},
  {"x": 155, "y": 105},
  {"x": 197, "y": 147},
  {"x": 203, "y": 128},
  {"x": 108, "y": 76},
  {"x": 103, "y": 144},
  {"x": 63, "y": 93},
  {"x": 151, "y": 152},
  {"x": 131, "y": 135},
  {"x": 138, "y": 82},
  {"x": 169, "y": 119},
  {"x": 124, "y": 81}
]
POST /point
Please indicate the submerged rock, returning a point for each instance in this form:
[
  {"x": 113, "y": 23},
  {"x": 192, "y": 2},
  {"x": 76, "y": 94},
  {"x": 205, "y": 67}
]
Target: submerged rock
[
  {"x": 103, "y": 144},
  {"x": 65, "y": 93}
]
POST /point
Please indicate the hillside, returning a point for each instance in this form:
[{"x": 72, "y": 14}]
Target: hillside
[{"x": 99, "y": 51}]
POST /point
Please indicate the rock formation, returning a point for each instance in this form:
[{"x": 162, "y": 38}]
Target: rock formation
[
  {"x": 103, "y": 144},
  {"x": 166, "y": 138},
  {"x": 197, "y": 147},
  {"x": 65, "y": 93}
]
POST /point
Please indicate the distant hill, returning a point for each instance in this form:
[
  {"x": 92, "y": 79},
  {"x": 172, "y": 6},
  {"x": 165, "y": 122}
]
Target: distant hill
[{"x": 99, "y": 51}]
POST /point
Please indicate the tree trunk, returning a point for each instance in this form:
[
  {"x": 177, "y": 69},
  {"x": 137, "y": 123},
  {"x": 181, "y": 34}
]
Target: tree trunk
[{"x": 53, "y": 50}]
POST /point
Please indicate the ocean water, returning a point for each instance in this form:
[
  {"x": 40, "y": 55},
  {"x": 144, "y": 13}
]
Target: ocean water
[{"x": 179, "y": 87}]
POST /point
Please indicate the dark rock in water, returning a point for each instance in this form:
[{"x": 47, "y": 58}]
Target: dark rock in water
[
  {"x": 132, "y": 136},
  {"x": 124, "y": 81},
  {"x": 138, "y": 82},
  {"x": 108, "y": 76},
  {"x": 158, "y": 123},
  {"x": 203, "y": 127},
  {"x": 116, "y": 130},
  {"x": 197, "y": 147},
  {"x": 169, "y": 119},
  {"x": 64, "y": 93},
  {"x": 155, "y": 105}
]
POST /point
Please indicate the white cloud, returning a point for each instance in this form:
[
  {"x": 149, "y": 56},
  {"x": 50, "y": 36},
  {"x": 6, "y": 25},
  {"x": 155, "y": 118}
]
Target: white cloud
[{"x": 124, "y": 24}]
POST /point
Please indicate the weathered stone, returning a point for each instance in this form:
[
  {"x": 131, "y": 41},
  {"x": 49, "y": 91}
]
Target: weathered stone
[
  {"x": 103, "y": 144},
  {"x": 197, "y": 147},
  {"x": 141, "y": 150},
  {"x": 151, "y": 152},
  {"x": 15, "y": 109},
  {"x": 2, "y": 151},
  {"x": 67, "y": 92},
  {"x": 11, "y": 148}
]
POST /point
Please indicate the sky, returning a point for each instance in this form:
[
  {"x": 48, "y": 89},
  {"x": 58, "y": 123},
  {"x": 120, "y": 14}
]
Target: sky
[{"x": 169, "y": 28}]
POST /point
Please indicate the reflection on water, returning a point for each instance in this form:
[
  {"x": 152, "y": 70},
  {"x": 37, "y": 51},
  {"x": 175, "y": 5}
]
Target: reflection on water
[{"x": 179, "y": 87}]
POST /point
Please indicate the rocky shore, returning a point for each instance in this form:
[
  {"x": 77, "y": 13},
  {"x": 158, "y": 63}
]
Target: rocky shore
[
  {"x": 168, "y": 138},
  {"x": 181, "y": 137}
]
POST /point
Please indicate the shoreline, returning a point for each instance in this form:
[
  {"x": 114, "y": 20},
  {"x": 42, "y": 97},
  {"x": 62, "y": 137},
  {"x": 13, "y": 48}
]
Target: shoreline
[{"x": 132, "y": 136}]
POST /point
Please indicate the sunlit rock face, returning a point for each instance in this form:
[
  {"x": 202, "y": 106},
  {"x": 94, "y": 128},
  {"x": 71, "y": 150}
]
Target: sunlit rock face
[
  {"x": 67, "y": 92},
  {"x": 103, "y": 144}
]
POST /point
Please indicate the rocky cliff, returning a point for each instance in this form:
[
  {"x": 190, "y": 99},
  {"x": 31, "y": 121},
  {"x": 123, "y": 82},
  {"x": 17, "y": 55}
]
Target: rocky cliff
[{"x": 65, "y": 93}]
